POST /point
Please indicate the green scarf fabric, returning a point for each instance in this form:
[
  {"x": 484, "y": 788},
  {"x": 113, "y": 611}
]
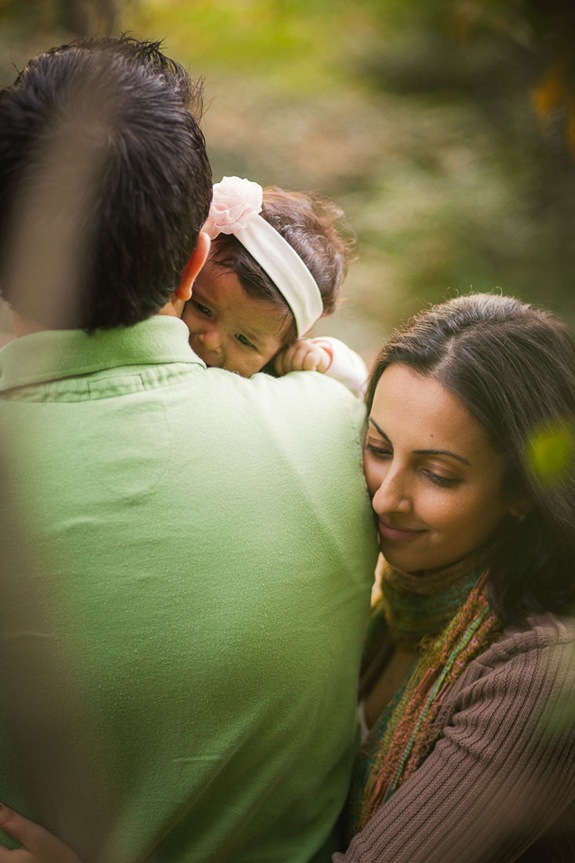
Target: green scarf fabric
[
  {"x": 420, "y": 605},
  {"x": 445, "y": 614}
]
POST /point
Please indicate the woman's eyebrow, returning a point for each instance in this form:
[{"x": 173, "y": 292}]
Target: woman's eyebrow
[
  {"x": 377, "y": 428},
  {"x": 446, "y": 452}
]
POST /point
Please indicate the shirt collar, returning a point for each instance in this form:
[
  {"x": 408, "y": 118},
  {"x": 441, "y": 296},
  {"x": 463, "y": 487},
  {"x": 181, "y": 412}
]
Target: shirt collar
[{"x": 55, "y": 354}]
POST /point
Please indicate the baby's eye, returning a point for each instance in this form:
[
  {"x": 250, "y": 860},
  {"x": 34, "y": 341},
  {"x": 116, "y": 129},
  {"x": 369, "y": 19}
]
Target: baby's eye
[
  {"x": 244, "y": 341},
  {"x": 202, "y": 309}
]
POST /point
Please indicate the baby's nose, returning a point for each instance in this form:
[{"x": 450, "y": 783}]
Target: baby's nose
[{"x": 211, "y": 339}]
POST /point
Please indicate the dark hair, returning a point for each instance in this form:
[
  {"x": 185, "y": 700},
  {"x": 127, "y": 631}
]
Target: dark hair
[
  {"x": 101, "y": 154},
  {"x": 513, "y": 367},
  {"x": 314, "y": 227}
]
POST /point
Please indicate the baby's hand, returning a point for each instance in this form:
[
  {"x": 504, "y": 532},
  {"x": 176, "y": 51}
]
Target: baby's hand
[
  {"x": 38, "y": 844},
  {"x": 305, "y": 355}
]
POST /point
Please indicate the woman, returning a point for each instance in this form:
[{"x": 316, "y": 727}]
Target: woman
[
  {"x": 468, "y": 692},
  {"x": 469, "y": 687}
]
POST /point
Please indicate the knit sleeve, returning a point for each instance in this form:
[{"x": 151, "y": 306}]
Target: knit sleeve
[{"x": 500, "y": 775}]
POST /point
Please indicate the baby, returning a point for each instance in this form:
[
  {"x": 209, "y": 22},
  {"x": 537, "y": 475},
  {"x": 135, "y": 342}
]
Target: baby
[{"x": 275, "y": 267}]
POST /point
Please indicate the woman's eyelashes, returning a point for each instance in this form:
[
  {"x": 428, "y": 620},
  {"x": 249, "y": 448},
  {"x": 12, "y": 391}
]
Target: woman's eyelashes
[
  {"x": 383, "y": 451},
  {"x": 379, "y": 450},
  {"x": 440, "y": 479}
]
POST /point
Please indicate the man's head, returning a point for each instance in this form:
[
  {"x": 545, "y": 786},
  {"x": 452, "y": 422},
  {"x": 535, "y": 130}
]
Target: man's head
[{"x": 104, "y": 183}]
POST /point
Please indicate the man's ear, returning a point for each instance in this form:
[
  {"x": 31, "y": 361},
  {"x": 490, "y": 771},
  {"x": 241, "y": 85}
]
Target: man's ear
[{"x": 195, "y": 263}]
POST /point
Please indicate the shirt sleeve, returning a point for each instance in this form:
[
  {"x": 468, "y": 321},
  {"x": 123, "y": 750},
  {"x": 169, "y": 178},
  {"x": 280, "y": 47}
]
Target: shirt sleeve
[
  {"x": 502, "y": 772},
  {"x": 346, "y": 366}
]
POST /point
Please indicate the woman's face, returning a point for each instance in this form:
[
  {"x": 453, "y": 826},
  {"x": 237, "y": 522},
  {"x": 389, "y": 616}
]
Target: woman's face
[{"x": 434, "y": 478}]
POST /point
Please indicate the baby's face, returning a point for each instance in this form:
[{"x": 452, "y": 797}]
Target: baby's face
[{"x": 228, "y": 328}]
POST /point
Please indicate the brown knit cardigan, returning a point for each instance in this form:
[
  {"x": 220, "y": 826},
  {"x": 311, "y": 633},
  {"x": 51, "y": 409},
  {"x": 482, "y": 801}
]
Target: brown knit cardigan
[{"x": 499, "y": 785}]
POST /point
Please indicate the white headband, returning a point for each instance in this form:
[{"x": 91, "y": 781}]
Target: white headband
[{"x": 235, "y": 209}]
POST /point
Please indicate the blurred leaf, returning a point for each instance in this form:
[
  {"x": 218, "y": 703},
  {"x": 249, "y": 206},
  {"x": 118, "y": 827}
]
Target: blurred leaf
[
  {"x": 551, "y": 91},
  {"x": 551, "y": 452}
]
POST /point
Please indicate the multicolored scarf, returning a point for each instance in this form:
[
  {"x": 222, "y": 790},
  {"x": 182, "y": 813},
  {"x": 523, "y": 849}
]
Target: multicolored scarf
[{"x": 445, "y": 615}]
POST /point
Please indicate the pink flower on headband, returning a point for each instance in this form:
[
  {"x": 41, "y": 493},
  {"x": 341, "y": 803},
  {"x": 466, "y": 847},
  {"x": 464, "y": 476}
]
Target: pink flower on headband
[{"x": 234, "y": 203}]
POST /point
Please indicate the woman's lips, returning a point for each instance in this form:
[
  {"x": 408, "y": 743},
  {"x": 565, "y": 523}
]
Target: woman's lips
[{"x": 394, "y": 533}]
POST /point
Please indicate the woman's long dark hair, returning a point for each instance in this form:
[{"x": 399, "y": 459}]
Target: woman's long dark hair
[{"x": 513, "y": 367}]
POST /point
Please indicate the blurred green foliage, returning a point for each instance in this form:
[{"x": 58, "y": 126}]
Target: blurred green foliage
[{"x": 551, "y": 454}]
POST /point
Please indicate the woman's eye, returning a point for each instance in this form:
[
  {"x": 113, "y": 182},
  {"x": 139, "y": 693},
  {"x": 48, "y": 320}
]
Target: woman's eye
[
  {"x": 378, "y": 450},
  {"x": 442, "y": 481},
  {"x": 244, "y": 341}
]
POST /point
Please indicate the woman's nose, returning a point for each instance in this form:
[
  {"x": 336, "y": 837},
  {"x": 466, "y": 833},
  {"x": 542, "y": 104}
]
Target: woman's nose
[{"x": 393, "y": 494}]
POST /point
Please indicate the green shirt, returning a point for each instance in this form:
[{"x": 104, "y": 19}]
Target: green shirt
[{"x": 186, "y": 565}]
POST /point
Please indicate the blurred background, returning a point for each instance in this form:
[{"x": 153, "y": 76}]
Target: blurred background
[{"x": 445, "y": 129}]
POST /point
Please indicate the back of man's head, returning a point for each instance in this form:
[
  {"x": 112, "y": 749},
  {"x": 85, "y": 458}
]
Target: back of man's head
[{"x": 104, "y": 183}]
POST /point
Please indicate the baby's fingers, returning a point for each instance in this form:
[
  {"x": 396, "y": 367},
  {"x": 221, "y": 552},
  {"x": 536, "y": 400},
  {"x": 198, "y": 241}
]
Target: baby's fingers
[
  {"x": 38, "y": 844},
  {"x": 284, "y": 361},
  {"x": 303, "y": 355},
  {"x": 321, "y": 359}
]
